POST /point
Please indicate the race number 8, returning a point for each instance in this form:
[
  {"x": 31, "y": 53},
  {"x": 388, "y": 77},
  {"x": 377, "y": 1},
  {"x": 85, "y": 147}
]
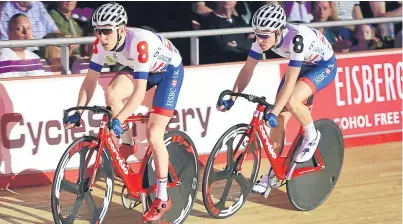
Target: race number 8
[
  {"x": 142, "y": 48},
  {"x": 298, "y": 44}
]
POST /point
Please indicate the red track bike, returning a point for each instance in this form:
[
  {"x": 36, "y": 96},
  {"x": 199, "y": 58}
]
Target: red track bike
[
  {"x": 308, "y": 184},
  {"x": 98, "y": 158}
]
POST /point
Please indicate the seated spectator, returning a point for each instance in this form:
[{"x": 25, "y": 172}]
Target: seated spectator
[
  {"x": 224, "y": 48},
  {"x": 398, "y": 40},
  {"x": 366, "y": 40},
  {"x": 346, "y": 10},
  {"x": 321, "y": 12},
  {"x": 52, "y": 56},
  {"x": 62, "y": 16},
  {"x": 42, "y": 23},
  {"x": 376, "y": 9},
  {"x": 298, "y": 11},
  {"x": 19, "y": 62}
]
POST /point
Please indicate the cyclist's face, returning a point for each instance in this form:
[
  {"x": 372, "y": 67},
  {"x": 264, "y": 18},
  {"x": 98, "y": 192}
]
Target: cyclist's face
[
  {"x": 265, "y": 40},
  {"x": 108, "y": 36}
]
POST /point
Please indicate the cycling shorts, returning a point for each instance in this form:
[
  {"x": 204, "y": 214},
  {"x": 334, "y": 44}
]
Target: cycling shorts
[
  {"x": 168, "y": 87},
  {"x": 317, "y": 76}
]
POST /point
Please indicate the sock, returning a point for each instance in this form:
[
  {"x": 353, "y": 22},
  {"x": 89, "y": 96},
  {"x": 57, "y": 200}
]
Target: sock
[
  {"x": 310, "y": 131},
  {"x": 162, "y": 189}
]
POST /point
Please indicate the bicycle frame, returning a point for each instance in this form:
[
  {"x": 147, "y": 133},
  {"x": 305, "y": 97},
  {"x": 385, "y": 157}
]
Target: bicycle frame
[
  {"x": 132, "y": 180},
  {"x": 280, "y": 161}
]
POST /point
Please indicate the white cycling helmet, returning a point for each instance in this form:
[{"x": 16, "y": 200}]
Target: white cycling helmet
[
  {"x": 109, "y": 14},
  {"x": 269, "y": 18}
]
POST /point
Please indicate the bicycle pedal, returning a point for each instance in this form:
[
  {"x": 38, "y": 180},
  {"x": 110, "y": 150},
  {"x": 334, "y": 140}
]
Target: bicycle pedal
[{"x": 267, "y": 192}]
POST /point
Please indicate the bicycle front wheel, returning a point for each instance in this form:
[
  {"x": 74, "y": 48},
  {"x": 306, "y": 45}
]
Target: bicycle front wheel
[
  {"x": 222, "y": 169},
  {"x": 70, "y": 187}
]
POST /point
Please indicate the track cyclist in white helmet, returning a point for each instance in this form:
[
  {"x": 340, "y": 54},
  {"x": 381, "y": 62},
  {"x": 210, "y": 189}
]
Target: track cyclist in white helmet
[
  {"x": 150, "y": 60},
  {"x": 311, "y": 68}
]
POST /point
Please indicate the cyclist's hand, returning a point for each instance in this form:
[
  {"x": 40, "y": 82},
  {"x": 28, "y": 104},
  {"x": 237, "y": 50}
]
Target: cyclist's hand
[
  {"x": 271, "y": 120},
  {"x": 226, "y": 105},
  {"x": 117, "y": 129},
  {"x": 72, "y": 121}
]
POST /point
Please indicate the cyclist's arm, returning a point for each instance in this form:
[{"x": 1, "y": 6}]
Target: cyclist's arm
[
  {"x": 246, "y": 73},
  {"x": 87, "y": 88},
  {"x": 244, "y": 76},
  {"x": 90, "y": 82}
]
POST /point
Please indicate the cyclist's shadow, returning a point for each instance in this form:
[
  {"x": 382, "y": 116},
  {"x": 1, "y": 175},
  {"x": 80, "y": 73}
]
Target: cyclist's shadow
[{"x": 277, "y": 199}]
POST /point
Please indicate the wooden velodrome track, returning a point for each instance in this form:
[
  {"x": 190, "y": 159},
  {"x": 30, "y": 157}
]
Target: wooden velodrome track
[{"x": 369, "y": 191}]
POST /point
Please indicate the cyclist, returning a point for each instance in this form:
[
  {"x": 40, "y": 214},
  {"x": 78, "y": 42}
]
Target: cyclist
[
  {"x": 150, "y": 60},
  {"x": 311, "y": 68}
]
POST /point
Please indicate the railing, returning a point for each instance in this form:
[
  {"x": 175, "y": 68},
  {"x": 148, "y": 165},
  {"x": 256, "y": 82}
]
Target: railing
[{"x": 193, "y": 35}]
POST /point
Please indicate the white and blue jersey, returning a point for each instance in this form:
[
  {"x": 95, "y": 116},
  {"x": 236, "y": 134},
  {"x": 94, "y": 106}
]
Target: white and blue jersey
[
  {"x": 306, "y": 48},
  {"x": 148, "y": 56}
]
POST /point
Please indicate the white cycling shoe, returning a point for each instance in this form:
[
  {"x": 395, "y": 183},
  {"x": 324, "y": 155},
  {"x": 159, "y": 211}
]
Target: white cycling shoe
[{"x": 307, "y": 149}]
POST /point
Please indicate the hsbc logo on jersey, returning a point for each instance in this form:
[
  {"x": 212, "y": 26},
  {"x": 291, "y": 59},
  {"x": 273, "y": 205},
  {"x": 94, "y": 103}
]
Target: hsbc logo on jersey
[
  {"x": 171, "y": 97},
  {"x": 174, "y": 82}
]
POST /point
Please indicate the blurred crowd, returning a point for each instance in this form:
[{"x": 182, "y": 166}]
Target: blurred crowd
[{"x": 22, "y": 20}]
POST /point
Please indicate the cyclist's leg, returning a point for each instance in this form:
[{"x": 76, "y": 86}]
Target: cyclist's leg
[
  {"x": 277, "y": 135},
  {"x": 120, "y": 88},
  {"x": 164, "y": 104},
  {"x": 314, "y": 81}
]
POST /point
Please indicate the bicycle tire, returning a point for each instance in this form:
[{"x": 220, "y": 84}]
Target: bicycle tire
[
  {"x": 211, "y": 207},
  {"x": 187, "y": 169},
  {"x": 308, "y": 191},
  {"x": 99, "y": 214}
]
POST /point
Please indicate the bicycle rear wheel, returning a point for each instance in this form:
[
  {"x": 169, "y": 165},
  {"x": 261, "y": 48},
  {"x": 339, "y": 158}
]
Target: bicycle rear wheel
[
  {"x": 222, "y": 165},
  {"x": 185, "y": 161},
  {"x": 69, "y": 184},
  {"x": 308, "y": 191}
]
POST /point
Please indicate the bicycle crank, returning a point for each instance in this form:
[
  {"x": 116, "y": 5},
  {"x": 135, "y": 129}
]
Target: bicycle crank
[{"x": 127, "y": 200}]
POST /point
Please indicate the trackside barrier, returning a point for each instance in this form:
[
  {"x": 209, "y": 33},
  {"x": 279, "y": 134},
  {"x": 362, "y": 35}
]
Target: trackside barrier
[
  {"x": 192, "y": 34},
  {"x": 365, "y": 100}
]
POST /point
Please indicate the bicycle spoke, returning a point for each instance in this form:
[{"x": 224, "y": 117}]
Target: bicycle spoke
[
  {"x": 240, "y": 179},
  {"x": 75, "y": 209},
  {"x": 69, "y": 187},
  {"x": 229, "y": 153},
  {"x": 225, "y": 193},
  {"x": 83, "y": 165},
  {"x": 217, "y": 176},
  {"x": 89, "y": 200}
]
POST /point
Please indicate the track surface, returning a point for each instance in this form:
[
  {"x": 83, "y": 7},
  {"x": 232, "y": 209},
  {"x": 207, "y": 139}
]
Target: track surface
[{"x": 369, "y": 191}]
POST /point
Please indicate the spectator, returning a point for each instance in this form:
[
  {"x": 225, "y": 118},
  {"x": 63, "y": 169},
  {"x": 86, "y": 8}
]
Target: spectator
[
  {"x": 62, "y": 15},
  {"x": 224, "y": 48},
  {"x": 386, "y": 31},
  {"x": 321, "y": 12},
  {"x": 398, "y": 40},
  {"x": 366, "y": 40},
  {"x": 41, "y": 22},
  {"x": 19, "y": 62},
  {"x": 52, "y": 55},
  {"x": 298, "y": 11},
  {"x": 346, "y": 10}
]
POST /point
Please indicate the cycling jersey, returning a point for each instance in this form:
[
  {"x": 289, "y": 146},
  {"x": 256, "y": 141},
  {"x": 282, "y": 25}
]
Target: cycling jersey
[
  {"x": 301, "y": 44},
  {"x": 143, "y": 51},
  {"x": 149, "y": 56},
  {"x": 305, "y": 47}
]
